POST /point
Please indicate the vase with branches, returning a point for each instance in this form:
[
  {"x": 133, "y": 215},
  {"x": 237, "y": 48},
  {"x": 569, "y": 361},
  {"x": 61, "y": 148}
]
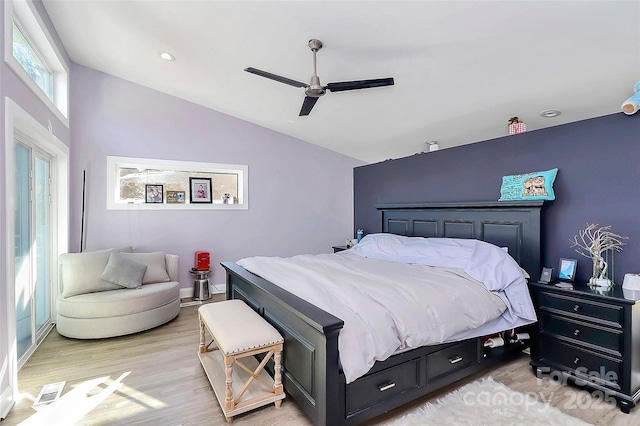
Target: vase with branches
[{"x": 598, "y": 243}]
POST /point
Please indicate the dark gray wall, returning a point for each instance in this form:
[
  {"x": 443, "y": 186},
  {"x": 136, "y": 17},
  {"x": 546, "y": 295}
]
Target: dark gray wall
[{"x": 598, "y": 182}]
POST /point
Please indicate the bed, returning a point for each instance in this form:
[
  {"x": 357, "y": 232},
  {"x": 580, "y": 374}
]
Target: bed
[{"x": 312, "y": 373}]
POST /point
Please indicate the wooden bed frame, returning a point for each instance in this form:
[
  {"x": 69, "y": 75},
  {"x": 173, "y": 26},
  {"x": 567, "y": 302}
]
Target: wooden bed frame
[{"x": 312, "y": 374}]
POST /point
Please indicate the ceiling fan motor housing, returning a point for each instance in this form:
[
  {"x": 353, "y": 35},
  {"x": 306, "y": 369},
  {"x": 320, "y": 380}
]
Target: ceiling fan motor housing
[
  {"x": 315, "y": 89},
  {"x": 315, "y": 45}
]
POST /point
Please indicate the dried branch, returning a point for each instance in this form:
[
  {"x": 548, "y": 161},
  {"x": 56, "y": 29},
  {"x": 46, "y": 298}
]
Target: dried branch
[{"x": 594, "y": 240}]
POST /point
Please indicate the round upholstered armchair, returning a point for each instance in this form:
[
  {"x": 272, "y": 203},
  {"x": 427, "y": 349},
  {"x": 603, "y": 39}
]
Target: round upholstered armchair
[{"x": 115, "y": 292}]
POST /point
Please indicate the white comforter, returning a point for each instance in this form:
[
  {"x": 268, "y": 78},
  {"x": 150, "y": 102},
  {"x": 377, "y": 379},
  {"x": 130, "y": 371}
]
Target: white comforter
[{"x": 388, "y": 305}]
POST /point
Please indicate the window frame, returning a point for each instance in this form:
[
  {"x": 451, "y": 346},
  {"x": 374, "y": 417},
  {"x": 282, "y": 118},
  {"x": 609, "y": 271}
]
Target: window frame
[
  {"x": 114, "y": 164},
  {"x": 32, "y": 27}
]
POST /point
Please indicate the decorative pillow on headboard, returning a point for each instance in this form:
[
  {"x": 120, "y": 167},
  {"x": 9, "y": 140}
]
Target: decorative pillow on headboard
[{"x": 529, "y": 186}]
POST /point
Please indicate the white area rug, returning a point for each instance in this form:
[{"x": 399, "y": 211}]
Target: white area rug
[{"x": 487, "y": 402}]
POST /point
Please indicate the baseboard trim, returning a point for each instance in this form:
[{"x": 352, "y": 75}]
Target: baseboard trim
[
  {"x": 6, "y": 402},
  {"x": 187, "y": 292},
  {"x": 218, "y": 288}
]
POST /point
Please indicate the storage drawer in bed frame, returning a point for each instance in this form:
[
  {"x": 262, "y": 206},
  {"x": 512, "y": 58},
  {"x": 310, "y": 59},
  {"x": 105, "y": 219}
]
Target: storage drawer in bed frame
[
  {"x": 388, "y": 383},
  {"x": 453, "y": 358},
  {"x": 414, "y": 375}
]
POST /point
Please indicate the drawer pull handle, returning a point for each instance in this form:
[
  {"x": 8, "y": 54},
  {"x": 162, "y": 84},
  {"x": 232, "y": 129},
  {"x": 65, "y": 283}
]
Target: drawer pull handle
[
  {"x": 576, "y": 361},
  {"x": 388, "y": 386},
  {"x": 576, "y": 308},
  {"x": 576, "y": 332},
  {"x": 455, "y": 359}
]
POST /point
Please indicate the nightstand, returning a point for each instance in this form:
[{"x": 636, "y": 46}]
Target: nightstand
[
  {"x": 591, "y": 336},
  {"x": 339, "y": 248}
]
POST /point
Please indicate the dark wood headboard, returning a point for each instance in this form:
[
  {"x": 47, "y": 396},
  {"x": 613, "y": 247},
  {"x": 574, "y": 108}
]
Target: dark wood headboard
[{"x": 515, "y": 225}]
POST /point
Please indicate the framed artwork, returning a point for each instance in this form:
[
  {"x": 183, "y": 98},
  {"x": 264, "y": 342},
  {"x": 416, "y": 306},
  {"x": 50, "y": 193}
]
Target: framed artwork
[
  {"x": 567, "y": 269},
  {"x": 200, "y": 190},
  {"x": 153, "y": 194},
  {"x": 175, "y": 197}
]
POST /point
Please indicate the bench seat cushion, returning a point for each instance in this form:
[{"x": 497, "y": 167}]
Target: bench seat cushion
[{"x": 237, "y": 328}]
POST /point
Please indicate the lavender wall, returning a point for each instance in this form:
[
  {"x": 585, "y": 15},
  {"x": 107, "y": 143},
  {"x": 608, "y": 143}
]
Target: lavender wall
[
  {"x": 598, "y": 182},
  {"x": 300, "y": 195}
]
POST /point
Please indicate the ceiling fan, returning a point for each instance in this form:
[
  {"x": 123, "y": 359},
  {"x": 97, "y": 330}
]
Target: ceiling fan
[{"x": 314, "y": 89}]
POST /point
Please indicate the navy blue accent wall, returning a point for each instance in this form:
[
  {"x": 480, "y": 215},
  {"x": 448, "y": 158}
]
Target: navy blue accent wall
[{"x": 598, "y": 182}]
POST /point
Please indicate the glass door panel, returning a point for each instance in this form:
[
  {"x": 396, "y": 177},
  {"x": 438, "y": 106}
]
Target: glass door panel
[
  {"x": 24, "y": 332},
  {"x": 42, "y": 293},
  {"x": 32, "y": 247}
]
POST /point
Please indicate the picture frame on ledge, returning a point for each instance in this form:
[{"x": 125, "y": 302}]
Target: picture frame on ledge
[
  {"x": 175, "y": 197},
  {"x": 153, "y": 194},
  {"x": 200, "y": 190}
]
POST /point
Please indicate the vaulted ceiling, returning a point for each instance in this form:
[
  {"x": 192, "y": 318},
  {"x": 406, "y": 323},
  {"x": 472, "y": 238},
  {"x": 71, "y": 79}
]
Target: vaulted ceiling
[{"x": 461, "y": 68}]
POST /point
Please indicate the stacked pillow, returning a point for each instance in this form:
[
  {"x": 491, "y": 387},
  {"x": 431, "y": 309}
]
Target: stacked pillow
[{"x": 111, "y": 269}]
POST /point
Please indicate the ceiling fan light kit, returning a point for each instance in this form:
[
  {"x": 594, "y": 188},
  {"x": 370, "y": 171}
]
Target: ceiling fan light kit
[
  {"x": 550, "y": 113},
  {"x": 315, "y": 89},
  {"x": 167, "y": 56}
]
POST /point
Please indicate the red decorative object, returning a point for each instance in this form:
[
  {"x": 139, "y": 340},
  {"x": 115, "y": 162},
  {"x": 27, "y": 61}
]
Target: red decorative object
[{"x": 202, "y": 261}]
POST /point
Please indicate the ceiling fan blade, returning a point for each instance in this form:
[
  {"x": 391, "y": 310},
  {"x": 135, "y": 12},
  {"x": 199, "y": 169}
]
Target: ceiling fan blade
[
  {"x": 360, "y": 84},
  {"x": 275, "y": 77},
  {"x": 307, "y": 105}
]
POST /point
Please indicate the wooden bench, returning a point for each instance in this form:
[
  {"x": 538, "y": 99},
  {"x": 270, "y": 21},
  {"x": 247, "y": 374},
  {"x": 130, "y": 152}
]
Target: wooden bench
[{"x": 239, "y": 333}]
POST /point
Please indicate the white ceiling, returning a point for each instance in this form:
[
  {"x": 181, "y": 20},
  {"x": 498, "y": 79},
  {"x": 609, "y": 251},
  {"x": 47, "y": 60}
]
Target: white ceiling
[{"x": 461, "y": 68}]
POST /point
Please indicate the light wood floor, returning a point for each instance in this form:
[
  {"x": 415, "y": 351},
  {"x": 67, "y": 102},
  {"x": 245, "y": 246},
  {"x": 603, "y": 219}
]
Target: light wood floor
[{"x": 155, "y": 378}]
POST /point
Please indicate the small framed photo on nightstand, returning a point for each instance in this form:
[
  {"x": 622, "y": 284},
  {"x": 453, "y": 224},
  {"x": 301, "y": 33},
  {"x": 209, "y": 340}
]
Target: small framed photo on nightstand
[{"x": 567, "y": 269}]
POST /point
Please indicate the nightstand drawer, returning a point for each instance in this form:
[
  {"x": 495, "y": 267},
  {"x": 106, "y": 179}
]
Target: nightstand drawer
[
  {"x": 595, "y": 310},
  {"x": 452, "y": 358},
  {"x": 600, "y": 368},
  {"x": 607, "y": 339}
]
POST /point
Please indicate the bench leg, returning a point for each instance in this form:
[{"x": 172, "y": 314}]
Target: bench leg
[
  {"x": 228, "y": 362},
  {"x": 277, "y": 376},
  {"x": 203, "y": 347}
]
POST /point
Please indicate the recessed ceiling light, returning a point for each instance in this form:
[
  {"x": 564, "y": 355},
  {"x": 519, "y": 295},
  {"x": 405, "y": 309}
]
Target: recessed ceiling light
[
  {"x": 167, "y": 56},
  {"x": 550, "y": 113}
]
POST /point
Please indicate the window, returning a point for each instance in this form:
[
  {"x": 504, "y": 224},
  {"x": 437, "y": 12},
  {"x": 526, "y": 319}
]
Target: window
[
  {"x": 33, "y": 57},
  {"x": 28, "y": 58},
  {"x": 129, "y": 181}
]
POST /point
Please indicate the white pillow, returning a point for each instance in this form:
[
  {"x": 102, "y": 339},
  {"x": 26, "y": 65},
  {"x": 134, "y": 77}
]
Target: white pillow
[
  {"x": 156, "y": 266},
  {"x": 389, "y": 244},
  {"x": 483, "y": 261},
  {"x": 81, "y": 273},
  {"x": 123, "y": 272}
]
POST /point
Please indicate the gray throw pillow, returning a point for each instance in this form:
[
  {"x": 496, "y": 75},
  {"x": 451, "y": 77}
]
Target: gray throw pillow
[
  {"x": 123, "y": 272},
  {"x": 156, "y": 266}
]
